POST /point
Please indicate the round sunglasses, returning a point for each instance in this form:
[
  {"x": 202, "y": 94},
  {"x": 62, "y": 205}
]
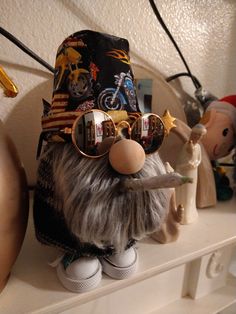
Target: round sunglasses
[{"x": 94, "y": 132}]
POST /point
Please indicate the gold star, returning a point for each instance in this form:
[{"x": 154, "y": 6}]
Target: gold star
[{"x": 168, "y": 121}]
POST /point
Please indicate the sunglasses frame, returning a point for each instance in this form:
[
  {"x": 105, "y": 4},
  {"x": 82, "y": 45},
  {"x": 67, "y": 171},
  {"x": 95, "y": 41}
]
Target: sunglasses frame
[
  {"x": 73, "y": 129},
  {"x": 74, "y": 126}
]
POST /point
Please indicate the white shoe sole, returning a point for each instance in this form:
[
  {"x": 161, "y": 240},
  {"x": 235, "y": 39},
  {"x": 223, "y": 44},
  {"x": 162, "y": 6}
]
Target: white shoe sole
[
  {"x": 117, "y": 272},
  {"x": 82, "y": 285}
]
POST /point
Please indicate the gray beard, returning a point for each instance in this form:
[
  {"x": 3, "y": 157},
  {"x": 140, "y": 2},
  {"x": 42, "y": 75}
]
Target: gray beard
[{"x": 95, "y": 210}]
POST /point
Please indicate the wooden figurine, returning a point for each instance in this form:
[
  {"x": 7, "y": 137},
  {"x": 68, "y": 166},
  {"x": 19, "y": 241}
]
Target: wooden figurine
[
  {"x": 187, "y": 164},
  {"x": 170, "y": 229},
  {"x": 206, "y": 191}
]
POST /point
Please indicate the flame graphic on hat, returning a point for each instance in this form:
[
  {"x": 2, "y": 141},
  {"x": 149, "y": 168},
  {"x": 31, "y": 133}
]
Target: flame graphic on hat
[{"x": 119, "y": 54}]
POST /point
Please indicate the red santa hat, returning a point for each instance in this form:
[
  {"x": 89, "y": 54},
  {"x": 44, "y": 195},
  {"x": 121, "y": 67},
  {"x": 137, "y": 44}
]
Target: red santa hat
[{"x": 226, "y": 105}]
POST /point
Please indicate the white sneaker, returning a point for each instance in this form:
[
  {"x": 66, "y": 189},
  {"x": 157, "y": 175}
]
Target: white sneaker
[
  {"x": 83, "y": 274},
  {"x": 121, "y": 266}
]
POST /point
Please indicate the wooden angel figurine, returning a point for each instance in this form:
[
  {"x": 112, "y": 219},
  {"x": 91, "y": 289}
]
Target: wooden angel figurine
[
  {"x": 170, "y": 229},
  {"x": 187, "y": 165}
]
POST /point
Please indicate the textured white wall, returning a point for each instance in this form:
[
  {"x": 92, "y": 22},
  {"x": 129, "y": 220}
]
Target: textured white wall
[{"x": 205, "y": 31}]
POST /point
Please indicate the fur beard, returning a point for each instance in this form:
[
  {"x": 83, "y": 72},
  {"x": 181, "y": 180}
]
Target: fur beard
[{"x": 87, "y": 193}]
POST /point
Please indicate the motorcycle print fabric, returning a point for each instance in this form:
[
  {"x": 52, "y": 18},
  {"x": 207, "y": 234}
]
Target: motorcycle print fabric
[{"x": 93, "y": 70}]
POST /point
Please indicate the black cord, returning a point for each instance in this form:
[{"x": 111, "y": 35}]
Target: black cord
[
  {"x": 158, "y": 16},
  {"x": 175, "y": 76},
  {"x": 225, "y": 164},
  {"x": 29, "y": 52}
]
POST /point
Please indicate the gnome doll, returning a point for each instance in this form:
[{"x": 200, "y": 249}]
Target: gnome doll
[{"x": 93, "y": 197}]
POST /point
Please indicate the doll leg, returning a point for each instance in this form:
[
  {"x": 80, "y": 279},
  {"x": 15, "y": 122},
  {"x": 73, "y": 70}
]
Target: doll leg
[
  {"x": 81, "y": 275},
  {"x": 121, "y": 265}
]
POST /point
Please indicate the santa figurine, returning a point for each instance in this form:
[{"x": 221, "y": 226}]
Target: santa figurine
[{"x": 220, "y": 122}]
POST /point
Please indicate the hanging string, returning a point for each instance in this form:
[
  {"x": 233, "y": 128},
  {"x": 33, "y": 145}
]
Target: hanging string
[
  {"x": 195, "y": 81},
  {"x": 24, "y": 48}
]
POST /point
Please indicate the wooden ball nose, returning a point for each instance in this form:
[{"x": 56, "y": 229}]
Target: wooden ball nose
[{"x": 127, "y": 156}]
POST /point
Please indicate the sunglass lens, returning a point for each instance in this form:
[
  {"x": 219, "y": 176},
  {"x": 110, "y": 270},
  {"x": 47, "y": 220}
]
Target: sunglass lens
[
  {"x": 148, "y": 131},
  {"x": 93, "y": 133}
]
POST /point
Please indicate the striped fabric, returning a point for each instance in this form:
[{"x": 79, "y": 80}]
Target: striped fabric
[
  {"x": 59, "y": 120},
  {"x": 59, "y": 103}
]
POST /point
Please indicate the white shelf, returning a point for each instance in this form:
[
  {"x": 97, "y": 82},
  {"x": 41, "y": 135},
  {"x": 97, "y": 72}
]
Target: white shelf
[
  {"x": 212, "y": 303},
  {"x": 34, "y": 288}
]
